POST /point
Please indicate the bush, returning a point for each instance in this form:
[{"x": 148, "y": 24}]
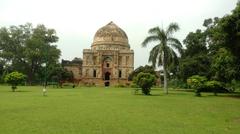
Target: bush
[
  {"x": 233, "y": 86},
  {"x": 14, "y": 79},
  {"x": 200, "y": 84},
  {"x": 176, "y": 83},
  {"x": 213, "y": 86},
  {"x": 197, "y": 82},
  {"x": 134, "y": 85},
  {"x": 145, "y": 81}
]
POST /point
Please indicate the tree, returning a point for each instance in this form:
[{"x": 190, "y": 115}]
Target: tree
[
  {"x": 145, "y": 69},
  {"x": 164, "y": 52},
  {"x": 26, "y": 48},
  {"x": 145, "y": 81},
  {"x": 223, "y": 66},
  {"x": 214, "y": 52},
  {"x": 14, "y": 78},
  {"x": 57, "y": 74},
  {"x": 195, "y": 44},
  {"x": 195, "y": 59},
  {"x": 224, "y": 33},
  {"x": 196, "y": 65}
]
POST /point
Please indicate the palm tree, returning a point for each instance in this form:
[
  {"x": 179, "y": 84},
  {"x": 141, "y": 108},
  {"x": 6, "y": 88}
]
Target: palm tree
[{"x": 164, "y": 52}]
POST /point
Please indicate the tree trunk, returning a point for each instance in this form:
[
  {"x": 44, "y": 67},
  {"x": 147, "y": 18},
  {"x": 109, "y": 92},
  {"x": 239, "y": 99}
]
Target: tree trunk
[
  {"x": 165, "y": 79},
  {"x": 165, "y": 74}
]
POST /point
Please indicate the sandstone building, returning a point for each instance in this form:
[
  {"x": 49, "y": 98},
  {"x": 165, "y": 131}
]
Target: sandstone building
[{"x": 109, "y": 61}]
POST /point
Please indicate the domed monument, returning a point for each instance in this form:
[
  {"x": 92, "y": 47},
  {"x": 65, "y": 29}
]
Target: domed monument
[{"x": 110, "y": 59}]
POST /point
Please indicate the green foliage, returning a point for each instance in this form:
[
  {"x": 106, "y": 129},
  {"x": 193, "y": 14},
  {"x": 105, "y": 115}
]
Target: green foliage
[
  {"x": 14, "y": 79},
  {"x": 213, "y": 86},
  {"x": 195, "y": 65},
  {"x": 197, "y": 82},
  {"x": 223, "y": 33},
  {"x": 223, "y": 66},
  {"x": 195, "y": 44},
  {"x": 233, "y": 86},
  {"x": 214, "y": 52},
  {"x": 195, "y": 59},
  {"x": 25, "y": 48},
  {"x": 200, "y": 84},
  {"x": 57, "y": 73},
  {"x": 144, "y": 69},
  {"x": 145, "y": 81},
  {"x": 226, "y": 32},
  {"x": 164, "y": 53},
  {"x": 177, "y": 83}
]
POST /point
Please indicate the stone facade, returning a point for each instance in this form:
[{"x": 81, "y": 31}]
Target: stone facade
[{"x": 110, "y": 60}]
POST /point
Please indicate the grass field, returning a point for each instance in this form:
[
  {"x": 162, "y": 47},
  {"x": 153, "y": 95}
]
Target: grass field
[{"x": 99, "y": 110}]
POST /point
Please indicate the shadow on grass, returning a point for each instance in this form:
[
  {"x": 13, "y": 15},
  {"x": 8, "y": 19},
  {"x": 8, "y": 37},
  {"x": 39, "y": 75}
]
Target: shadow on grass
[
  {"x": 231, "y": 95},
  {"x": 140, "y": 94},
  {"x": 17, "y": 91},
  {"x": 177, "y": 93}
]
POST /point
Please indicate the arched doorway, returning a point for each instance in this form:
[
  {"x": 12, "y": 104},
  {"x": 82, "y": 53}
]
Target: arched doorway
[{"x": 107, "y": 78}]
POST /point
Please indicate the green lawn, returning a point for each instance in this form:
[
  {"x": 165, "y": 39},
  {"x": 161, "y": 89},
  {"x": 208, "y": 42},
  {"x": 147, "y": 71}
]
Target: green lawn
[{"x": 99, "y": 110}]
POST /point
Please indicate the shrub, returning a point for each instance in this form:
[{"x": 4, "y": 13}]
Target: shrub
[
  {"x": 213, "y": 86},
  {"x": 134, "y": 85},
  {"x": 14, "y": 79},
  {"x": 200, "y": 84},
  {"x": 145, "y": 81},
  {"x": 197, "y": 82},
  {"x": 233, "y": 86},
  {"x": 176, "y": 83}
]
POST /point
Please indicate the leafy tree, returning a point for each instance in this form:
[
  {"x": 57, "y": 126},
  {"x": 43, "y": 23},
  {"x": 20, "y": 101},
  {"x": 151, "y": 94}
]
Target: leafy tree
[
  {"x": 145, "y": 69},
  {"x": 214, "y": 52},
  {"x": 223, "y": 66},
  {"x": 195, "y": 65},
  {"x": 26, "y": 48},
  {"x": 195, "y": 44},
  {"x": 145, "y": 81},
  {"x": 224, "y": 33},
  {"x": 195, "y": 59},
  {"x": 14, "y": 78},
  {"x": 164, "y": 52},
  {"x": 58, "y": 73}
]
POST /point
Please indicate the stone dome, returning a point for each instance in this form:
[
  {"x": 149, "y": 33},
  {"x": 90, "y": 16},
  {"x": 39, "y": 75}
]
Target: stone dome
[{"x": 112, "y": 35}]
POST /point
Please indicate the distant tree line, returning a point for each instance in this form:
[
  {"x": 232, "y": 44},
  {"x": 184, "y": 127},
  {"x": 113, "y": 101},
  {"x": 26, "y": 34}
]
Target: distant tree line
[{"x": 212, "y": 54}]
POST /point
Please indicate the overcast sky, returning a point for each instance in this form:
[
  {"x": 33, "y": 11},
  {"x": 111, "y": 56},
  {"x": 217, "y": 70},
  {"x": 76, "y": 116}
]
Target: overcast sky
[{"x": 76, "y": 21}]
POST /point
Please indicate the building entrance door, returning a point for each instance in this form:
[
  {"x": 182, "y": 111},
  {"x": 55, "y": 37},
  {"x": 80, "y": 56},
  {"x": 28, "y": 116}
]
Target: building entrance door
[{"x": 107, "y": 78}]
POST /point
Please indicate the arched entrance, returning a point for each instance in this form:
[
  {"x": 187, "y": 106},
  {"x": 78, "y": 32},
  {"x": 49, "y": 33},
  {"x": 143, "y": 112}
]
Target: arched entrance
[{"x": 107, "y": 78}]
